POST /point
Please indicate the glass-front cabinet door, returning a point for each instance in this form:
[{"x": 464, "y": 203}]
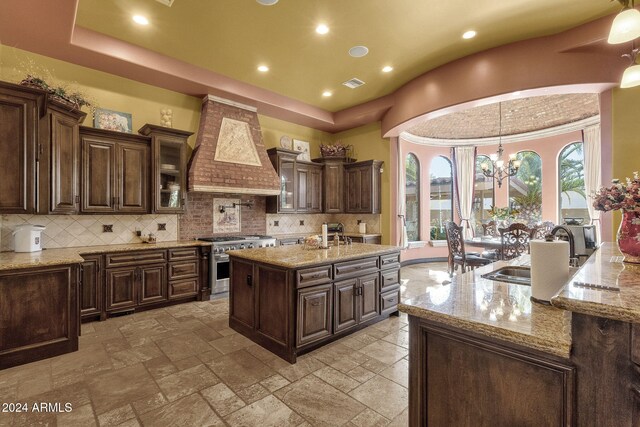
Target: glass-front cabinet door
[
  {"x": 169, "y": 168},
  {"x": 287, "y": 188}
]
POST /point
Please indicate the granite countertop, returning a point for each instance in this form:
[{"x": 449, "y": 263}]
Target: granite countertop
[
  {"x": 294, "y": 235},
  {"x": 604, "y": 268},
  {"x": 294, "y": 256},
  {"x": 475, "y": 304},
  {"x": 15, "y": 260}
]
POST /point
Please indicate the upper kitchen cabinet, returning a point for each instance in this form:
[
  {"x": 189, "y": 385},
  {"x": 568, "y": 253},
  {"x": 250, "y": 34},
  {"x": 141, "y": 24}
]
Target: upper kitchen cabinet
[
  {"x": 60, "y": 160},
  {"x": 363, "y": 186},
  {"x": 20, "y": 111},
  {"x": 168, "y": 167},
  {"x": 332, "y": 184},
  {"x": 115, "y": 172},
  {"x": 300, "y": 183}
]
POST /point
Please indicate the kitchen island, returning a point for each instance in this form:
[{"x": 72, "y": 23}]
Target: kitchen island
[
  {"x": 292, "y": 300},
  {"x": 481, "y": 353}
]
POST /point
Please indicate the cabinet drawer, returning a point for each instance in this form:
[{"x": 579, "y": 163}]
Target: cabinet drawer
[
  {"x": 182, "y": 253},
  {"x": 389, "y": 301},
  {"x": 183, "y": 288},
  {"x": 135, "y": 258},
  {"x": 390, "y": 261},
  {"x": 313, "y": 276},
  {"x": 357, "y": 267},
  {"x": 183, "y": 269},
  {"x": 390, "y": 278}
]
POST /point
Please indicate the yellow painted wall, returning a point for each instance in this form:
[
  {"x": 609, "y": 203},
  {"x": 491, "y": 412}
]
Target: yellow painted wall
[
  {"x": 626, "y": 137},
  {"x": 274, "y": 129},
  {"x": 369, "y": 145},
  {"x": 143, "y": 101}
]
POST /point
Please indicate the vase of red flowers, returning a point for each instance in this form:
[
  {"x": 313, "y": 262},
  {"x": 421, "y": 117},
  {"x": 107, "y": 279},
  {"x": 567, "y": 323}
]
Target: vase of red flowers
[{"x": 624, "y": 197}]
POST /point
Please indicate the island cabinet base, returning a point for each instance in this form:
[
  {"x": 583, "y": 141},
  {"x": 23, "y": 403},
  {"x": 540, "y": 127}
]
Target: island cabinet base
[
  {"x": 460, "y": 379},
  {"x": 291, "y": 311},
  {"x": 39, "y": 316}
]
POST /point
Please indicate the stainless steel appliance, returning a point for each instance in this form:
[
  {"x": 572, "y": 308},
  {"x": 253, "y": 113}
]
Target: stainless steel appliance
[
  {"x": 219, "y": 260},
  {"x": 584, "y": 239}
]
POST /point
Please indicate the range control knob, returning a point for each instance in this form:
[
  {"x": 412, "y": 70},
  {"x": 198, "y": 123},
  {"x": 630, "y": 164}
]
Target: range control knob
[
  {"x": 233, "y": 248},
  {"x": 241, "y": 246},
  {"x": 216, "y": 250},
  {"x": 250, "y": 246}
]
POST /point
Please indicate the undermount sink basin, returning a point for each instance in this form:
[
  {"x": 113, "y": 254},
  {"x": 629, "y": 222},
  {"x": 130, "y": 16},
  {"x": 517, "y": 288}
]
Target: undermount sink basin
[{"x": 517, "y": 275}]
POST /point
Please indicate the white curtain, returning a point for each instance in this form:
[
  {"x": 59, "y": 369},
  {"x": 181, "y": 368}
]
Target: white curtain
[
  {"x": 403, "y": 239},
  {"x": 464, "y": 159},
  {"x": 592, "y": 170}
]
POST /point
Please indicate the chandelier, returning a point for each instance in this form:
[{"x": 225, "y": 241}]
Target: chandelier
[
  {"x": 498, "y": 170},
  {"x": 626, "y": 28}
]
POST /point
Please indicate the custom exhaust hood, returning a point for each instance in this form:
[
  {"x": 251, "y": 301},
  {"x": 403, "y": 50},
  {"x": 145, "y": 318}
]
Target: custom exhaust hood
[{"x": 230, "y": 156}]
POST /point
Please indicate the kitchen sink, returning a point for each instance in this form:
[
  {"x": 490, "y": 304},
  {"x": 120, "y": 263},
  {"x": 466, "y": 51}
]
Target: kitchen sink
[{"x": 511, "y": 274}]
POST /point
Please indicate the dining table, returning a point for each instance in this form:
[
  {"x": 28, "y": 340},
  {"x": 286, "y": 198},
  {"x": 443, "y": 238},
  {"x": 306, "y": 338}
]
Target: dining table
[{"x": 486, "y": 242}]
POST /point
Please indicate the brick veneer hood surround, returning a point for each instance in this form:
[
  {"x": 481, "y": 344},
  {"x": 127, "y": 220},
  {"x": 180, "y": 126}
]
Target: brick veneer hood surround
[{"x": 212, "y": 176}]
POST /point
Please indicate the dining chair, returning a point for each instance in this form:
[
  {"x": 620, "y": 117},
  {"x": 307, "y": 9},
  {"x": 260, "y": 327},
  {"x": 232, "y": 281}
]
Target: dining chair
[
  {"x": 489, "y": 229},
  {"x": 515, "y": 240},
  {"x": 457, "y": 254},
  {"x": 539, "y": 231}
]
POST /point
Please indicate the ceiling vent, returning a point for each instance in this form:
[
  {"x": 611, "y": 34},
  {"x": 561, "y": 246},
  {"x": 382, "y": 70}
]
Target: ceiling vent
[
  {"x": 353, "y": 83},
  {"x": 168, "y": 3}
]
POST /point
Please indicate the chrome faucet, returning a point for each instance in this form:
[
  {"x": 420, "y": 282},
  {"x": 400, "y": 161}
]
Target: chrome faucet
[{"x": 568, "y": 236}]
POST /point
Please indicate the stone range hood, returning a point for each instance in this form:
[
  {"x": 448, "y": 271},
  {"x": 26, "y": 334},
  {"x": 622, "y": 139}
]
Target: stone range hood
[{"x": 229, "y": 156}]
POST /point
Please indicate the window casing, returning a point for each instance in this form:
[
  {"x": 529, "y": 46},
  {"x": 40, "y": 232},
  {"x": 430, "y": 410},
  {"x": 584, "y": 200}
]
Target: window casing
[
  {"x": 525, "y": 188},
  {"x": 483, "y": 195},
  {"x": 441, "y": 197},
  {"x": 412, "y": 197},
  {"x": 572, "y": 201}
]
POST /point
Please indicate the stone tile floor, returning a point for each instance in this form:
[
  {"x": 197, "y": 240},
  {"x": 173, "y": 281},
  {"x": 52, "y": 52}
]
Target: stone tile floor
[{"x": 183, "y": 366}]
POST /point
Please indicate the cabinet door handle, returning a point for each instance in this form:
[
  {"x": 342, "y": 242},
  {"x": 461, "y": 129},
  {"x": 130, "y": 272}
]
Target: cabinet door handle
[
  {"x": 77, "y": 199},
  {"x": 249, "y": 280}
]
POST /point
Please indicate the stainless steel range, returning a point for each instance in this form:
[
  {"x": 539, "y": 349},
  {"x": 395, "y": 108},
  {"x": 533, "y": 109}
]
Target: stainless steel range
[{"x": 219, "y": 267}]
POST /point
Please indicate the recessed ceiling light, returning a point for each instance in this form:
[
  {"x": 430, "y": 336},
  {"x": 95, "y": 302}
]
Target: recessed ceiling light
[
  {"x": 322, "y": 29},
  {"x": 139, "y": 19},
  {"x": 358, "y": 51},
  {"x": 469, "y": 34},
  {"x": 387, "y": 69},
  {"x": 327, "y": 93},
  {"x": 263, "y": 68},
  {"x": 267, "y": 2}
]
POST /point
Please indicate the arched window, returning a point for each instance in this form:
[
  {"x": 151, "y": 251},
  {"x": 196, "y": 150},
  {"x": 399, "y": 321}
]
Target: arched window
[
  {"x": 525, "y": 188},
  {"x": 573, "y": 200},
  {"x": 412, "y": 196},
  {"x": 441, "y": 200},
  {"x": 483, "y": 194}
]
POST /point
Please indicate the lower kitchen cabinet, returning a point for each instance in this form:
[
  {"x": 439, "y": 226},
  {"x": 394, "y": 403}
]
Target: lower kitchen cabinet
[
  {"x": 291, "y": 311},
  {"x": 121, "y": 288},
  {"x": 153, "y": 284},
  {"x": 91, "y": 295},
  {"x": 314, "y": 314},
  {"x": 38, "y": 313}
]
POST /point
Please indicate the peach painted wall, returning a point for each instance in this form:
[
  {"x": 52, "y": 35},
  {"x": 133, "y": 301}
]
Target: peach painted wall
[{"x": 548, "y": 148}]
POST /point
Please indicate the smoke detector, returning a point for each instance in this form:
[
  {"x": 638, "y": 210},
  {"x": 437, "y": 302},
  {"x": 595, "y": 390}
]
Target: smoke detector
[
  {"x": 353, "y": 83},
  {"x": 358, "y": 51},
  {"x": 167, "y": 3}
]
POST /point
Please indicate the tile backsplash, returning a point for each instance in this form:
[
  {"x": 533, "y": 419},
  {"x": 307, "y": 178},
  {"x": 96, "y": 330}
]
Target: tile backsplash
[
  {"x": 87, "y": 230},
  {"x": 312, "y": 223}
]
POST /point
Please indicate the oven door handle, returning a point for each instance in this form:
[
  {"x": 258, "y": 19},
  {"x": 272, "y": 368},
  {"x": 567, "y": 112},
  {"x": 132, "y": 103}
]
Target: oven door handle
[{"x": 221, "y": 258}]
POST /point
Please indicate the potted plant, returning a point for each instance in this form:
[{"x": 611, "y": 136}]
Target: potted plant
[
  {"x": 502, "y": 216},
  {"x": 73, "y": 99},
  {"x": 624, "y": 197}
]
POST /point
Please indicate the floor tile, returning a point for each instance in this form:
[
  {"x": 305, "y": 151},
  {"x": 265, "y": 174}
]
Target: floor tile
[
  {"x": 185, "y": 382},
  {"x": 182, "y": 346},
  {"x": 222, "y": 399},
  {"x": 192, "y": 410},
  {"x": 369, "y": 418},
  {"x": 398, "y": 372},
  {"x": 114, "y": 389},
  {"x": 160, "y": 367},
  {"x": 116, "y": 416},
  {"x": 382, "y": 395},
  {"x": 318, "y": 402},
  {"x": 336, "y": 379},
  {"x": 231, "y": 343},
  {"x": 267, "y": 412},
  {"x": 149, "y": 403},
  {"x": 361, "y": 374},
  {"x": 253, "y": 393},
  {"x": 82, "y": 416},
  {"x": 274, "y": 383},
  {"x": 385, "y": 352},
  {"x": 240, "y": 370}
]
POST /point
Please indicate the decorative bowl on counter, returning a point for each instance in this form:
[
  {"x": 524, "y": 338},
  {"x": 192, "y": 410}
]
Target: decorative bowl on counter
[{"x": 312, "y": 242}]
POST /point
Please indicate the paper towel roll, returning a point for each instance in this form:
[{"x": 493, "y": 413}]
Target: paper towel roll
[
  {"x": 325, "y": 240},
  {"x": 549, "y": 268}
]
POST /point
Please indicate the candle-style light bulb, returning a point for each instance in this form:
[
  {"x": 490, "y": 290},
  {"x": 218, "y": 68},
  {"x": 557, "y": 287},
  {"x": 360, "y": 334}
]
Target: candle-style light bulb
[
  {"x": 484, "y": 166},
  {"x": 493, "y": 157},
  {"x": 500, "y": 163},
  {"x": 512, "y": 156}
]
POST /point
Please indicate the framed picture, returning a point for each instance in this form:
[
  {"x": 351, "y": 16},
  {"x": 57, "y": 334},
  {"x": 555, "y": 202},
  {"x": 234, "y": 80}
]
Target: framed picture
[
  {"x": 226, "y": 220},
  {"x": 303, "y": 148},
  {"x": 112, "y": 120}
]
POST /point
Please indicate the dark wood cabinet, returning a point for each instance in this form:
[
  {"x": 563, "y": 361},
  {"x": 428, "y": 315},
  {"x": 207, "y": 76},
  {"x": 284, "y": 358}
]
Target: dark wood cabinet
[
  {"x": 372, "y": 240},
  {"x": 115, "y": 172},
  {"x": 59, "y": 166},
  {"x": 91, "y": 297},
  {"x": 363, "y": 187},
  {"x": 455, "y": 377},
  {"x": 291, "y": 311},
  {"x": 153, "y": 284},
  {"x": 121, "y": 288},
  {"x": 20, "y": 110},
  {"x": 169, "y": 168},
  {"x": 39, "y": 313},
  {"x": 300, "y": 183},
  {"x": 346, "y": 304},
  {"x": 333, "y": 186},
  {"x": 314, "y": 313}
]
